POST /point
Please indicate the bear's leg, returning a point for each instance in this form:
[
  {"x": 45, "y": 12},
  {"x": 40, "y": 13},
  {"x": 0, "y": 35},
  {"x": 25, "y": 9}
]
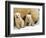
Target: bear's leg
[
  {"x": 22, "y": 24},
  {"x": 18, "y": 26}
]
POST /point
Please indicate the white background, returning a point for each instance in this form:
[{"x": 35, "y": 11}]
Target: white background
[{"x": 2, "y": 19}]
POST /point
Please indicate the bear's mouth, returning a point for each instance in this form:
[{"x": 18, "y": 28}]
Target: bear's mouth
[{"x": 17, "y": 17}]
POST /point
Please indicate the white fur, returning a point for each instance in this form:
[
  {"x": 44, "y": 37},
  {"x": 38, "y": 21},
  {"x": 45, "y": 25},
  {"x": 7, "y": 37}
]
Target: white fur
[
  {"x": 29, "y": 20},
  {"x": 19, "y": 21}
]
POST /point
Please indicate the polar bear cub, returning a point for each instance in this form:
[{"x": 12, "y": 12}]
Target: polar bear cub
[
  {"x": 18, "y": 20},
  {"x": 29, "y": 20}
]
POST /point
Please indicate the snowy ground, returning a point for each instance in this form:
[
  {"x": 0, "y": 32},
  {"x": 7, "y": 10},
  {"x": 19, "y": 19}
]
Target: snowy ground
[{"x": 28, "y": 29}]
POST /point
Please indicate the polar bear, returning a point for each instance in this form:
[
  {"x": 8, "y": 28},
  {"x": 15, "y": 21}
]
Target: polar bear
[
  {"x": 18, "y": 20},
  {"x": 29, "y": 20}
]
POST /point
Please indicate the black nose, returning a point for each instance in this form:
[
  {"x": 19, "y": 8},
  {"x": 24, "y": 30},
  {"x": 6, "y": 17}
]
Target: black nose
[{"x": 16, "y": 16}]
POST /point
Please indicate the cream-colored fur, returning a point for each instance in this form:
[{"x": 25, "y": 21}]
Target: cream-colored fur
[
  {"x": 35, "y": 14},
  {"x": 18, "y": 20},
  {"x": 29, "y": 20}
]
